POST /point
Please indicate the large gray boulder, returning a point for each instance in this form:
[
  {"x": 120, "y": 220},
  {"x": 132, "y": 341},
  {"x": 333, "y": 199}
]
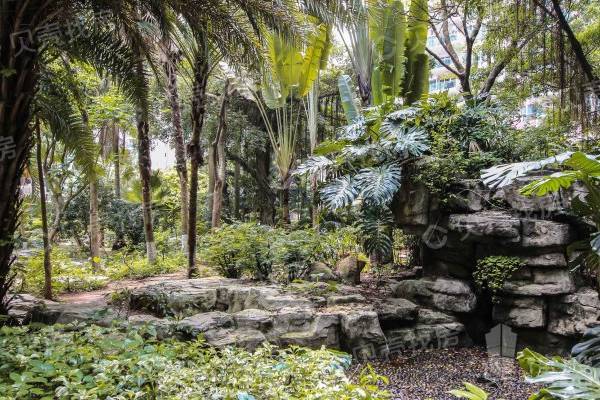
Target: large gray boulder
[
  {"x": 246, "y": 338},
  {"x": 573, "y": 314},
  {"x": 442, "y": 293},
  {"x": 397, "y": 311},
  {"x": 362, "y": 333},
  {"x": 345, "y": 299},
  {"x": 550, "y": 260},
  {"x": 545, "y": 283},
  {"x": 94, "y": 312},
  {"x": 254, "y": 319},
  {"x": 541, "y": 233},
  {"x": 524, "y": 312},
  {"x": 349, "y": 269},
  {"x": 320, "y": 272},
  {"x": 486, "y": 225},
  {"x": 201, "y": 323}
]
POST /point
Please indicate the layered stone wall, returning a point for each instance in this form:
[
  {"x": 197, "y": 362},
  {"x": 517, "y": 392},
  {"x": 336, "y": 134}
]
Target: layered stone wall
[{"x": 546, "y": 303}]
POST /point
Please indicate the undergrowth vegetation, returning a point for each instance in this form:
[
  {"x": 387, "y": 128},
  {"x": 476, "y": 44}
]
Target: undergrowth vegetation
[{"x": 112, "y": 363}]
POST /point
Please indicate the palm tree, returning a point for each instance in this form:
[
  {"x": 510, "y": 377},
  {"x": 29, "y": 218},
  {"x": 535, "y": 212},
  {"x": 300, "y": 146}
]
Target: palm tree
[
  {"x": 222, "y": 30},
  {"x": 25, "y": 32},
  {"x": 170, "y": 59}
]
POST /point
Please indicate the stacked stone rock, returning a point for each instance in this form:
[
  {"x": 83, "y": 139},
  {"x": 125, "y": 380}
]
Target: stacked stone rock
[{"x": 548, "y": 305}]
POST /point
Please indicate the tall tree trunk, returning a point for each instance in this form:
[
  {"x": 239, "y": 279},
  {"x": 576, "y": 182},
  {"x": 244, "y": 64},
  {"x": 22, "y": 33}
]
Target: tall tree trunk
[
  {"x": 145, "y": 167},
  {"x": 266, "y": 204},
  {"x": 45, "y": 236},
  {"x": 220, "y": 160},
  {"x": 18, "y": 55},
  {"x": 236, "y": 191},
  {"x": 285, "y": 203},
  {"x": 210, "y": 194},
  {"x": 180, "y": 158},
  {"x": 94, "y": 224},
  {"x": 116, "y": 160},
  {"x": 201, "y": 70}
]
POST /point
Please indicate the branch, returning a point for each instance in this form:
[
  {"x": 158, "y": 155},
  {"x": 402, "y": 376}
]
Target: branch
[{"x": 448, "y": 67}]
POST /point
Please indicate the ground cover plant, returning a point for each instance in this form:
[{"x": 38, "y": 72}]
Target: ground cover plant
[{"x": 76, "y": 362}]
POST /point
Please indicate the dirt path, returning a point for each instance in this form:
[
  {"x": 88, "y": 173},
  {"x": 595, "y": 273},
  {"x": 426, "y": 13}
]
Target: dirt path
[{"x": 98, "y": 295}]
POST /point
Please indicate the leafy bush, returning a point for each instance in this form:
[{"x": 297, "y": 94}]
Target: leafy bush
[
  {"x": 67, "y": 275},
  {"x": 134, "y": 265},
  {"x": 491, "y": 272},
  {"x": 239, "y": 248},
  {"x": 99, "y": 363}
]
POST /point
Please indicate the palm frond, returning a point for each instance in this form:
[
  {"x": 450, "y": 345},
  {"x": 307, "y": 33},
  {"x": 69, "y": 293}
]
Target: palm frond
[
  {"x": 503, "y": 175},
  {"x": 339, "y": 193},
  {"x": 378, "y": 185}
]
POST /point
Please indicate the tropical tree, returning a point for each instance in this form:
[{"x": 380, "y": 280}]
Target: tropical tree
[
  {"x": 387, "y": 47},
  {"x": 363, "y": 168},
  {"x": 292, "y": 74},
  {"x": 77, "y": 28}
]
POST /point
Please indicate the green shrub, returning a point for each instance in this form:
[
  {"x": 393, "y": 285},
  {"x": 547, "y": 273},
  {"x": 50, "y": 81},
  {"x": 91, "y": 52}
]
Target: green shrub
[
  {"x": 491, "y": 272},
  {"x": 237, "y": 249},
  {"x": 128, "y": 363},
  {"x": 67, "y": 275},
  {"x": 134, "y": 265}
]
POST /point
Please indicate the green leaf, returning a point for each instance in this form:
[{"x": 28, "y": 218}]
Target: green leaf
[{"x": 349, "y": 101}]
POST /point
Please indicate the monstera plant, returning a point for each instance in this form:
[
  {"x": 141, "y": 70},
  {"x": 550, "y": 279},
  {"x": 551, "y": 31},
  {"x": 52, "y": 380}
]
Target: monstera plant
[{"x": 363, "y": 168}]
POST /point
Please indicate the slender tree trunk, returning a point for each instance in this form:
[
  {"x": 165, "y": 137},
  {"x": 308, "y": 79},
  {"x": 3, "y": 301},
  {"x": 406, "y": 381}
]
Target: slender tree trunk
[
  {"x": 94, "y": 224},
  {"x": 201, "y": 70},
  {"x": 18, "y": 54},
  {"x": 220, "y": 160},
  {"x": 116, "y": 160},
  {"x": 236, "y": 190},
  {"x": 285, "y": 203},
  {"x": 180, "y": 158},
  {"x": 266, "y": 205},
  {"x": 45, "y": 236},
  {"x": 145, "y": 167},
  {"x": 210, "y": 195}
]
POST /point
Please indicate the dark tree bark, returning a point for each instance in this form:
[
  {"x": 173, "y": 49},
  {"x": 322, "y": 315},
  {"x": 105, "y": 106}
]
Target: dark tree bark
[
  {"x": 45, "y": 236},
  {"x": 201, "y": 71},
  {"x": 180, "y": 157},
  {"x": 18, "y": 57}
]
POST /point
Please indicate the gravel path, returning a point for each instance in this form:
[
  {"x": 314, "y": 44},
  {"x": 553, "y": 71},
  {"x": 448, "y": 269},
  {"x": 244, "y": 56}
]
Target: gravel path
[{"x": 430, "y": 374}]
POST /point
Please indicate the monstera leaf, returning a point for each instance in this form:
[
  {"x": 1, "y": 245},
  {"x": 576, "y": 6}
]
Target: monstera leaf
[
  {"x": 562, "y": 379},
  {"x": 588, "y": 350}
]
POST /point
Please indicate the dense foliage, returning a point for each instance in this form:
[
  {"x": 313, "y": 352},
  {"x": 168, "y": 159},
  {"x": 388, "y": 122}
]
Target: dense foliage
[
  {"x": 126, "y": 363},
  {"x": 492, "y": 272},
  {"x": 262, "y": 252}
]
